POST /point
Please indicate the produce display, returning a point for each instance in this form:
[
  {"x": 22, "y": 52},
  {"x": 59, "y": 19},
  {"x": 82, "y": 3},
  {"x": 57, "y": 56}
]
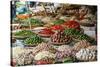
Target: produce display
[
  {"x": 64, "y": 53},
  {"x": 50, "y": 33},
  {"x": 44, "y": 55},
  {"x": 64, "y": 48},
  {"x": 72, "y": 24},
  {"x": 86, "y": 55},
  {"x": 57, "y": 27},
  {"x": 24, "y": 33},
  {"x": 24, "y": 59},
  {"x": 36, "y": 22},
  {"x": 33, "y": 40},
  {"x": 77, "y": 35},
  {"x": 63, "y": 56},
  {"x": 80, "y": 45},
  {"x": 16, "y": 51},
  {"x": 46, "y": 32},
  {"x": 60, "y": 38},
  {"x": 44, "y": 47}
]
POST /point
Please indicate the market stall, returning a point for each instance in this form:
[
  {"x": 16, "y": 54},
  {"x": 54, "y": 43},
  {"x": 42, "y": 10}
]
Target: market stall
[{"x": 50, "y": 33}]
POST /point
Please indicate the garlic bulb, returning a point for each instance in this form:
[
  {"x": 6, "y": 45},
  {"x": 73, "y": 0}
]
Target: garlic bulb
[
  {"x": 25, "y": 58},
  {"x": 43, "y": 46},
  {"x": 22, "y": 55},
  {"x": 16, "y": 51},
  {"x": 86, "y": 55},
  {"x": 44, "y": 54}
]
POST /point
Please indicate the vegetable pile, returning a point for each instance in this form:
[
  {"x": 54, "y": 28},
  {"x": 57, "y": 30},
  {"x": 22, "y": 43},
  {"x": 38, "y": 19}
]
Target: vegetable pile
[
  {"x": 58, "y": 22},
  {"x": 24, "y": 33},
  {"x": 72, "y": 24},
  {"x": 46, "y": 32},
  {"x": 80, "y": 36},
  {"x": 33, "y": 40},
  {"x": 57, "y": 27},
  {"x": 60, "y": 37},
  {"x": 36, "y": 22}
]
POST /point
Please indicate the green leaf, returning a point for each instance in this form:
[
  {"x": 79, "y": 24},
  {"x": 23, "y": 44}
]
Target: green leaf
[{"x": 58, "y": 22}]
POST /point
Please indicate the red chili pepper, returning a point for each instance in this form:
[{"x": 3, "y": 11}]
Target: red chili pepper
[
  {"x": 72, "y": 24},
  {"x": 57, "y": 27},
  {"x": 46, "y": 31}
]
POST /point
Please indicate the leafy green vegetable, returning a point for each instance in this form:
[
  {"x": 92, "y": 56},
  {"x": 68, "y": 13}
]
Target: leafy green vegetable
[
  {"x": 26, "y": 33},
  {"x": 33, "y": 40},
  {"x": 25, "y": 22},
  {"x": 36, "y": 22},
  {"x": 71, "y": 31},
  {"x": 78, "y": 35},
  {"x": 58, "y": 22}
]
